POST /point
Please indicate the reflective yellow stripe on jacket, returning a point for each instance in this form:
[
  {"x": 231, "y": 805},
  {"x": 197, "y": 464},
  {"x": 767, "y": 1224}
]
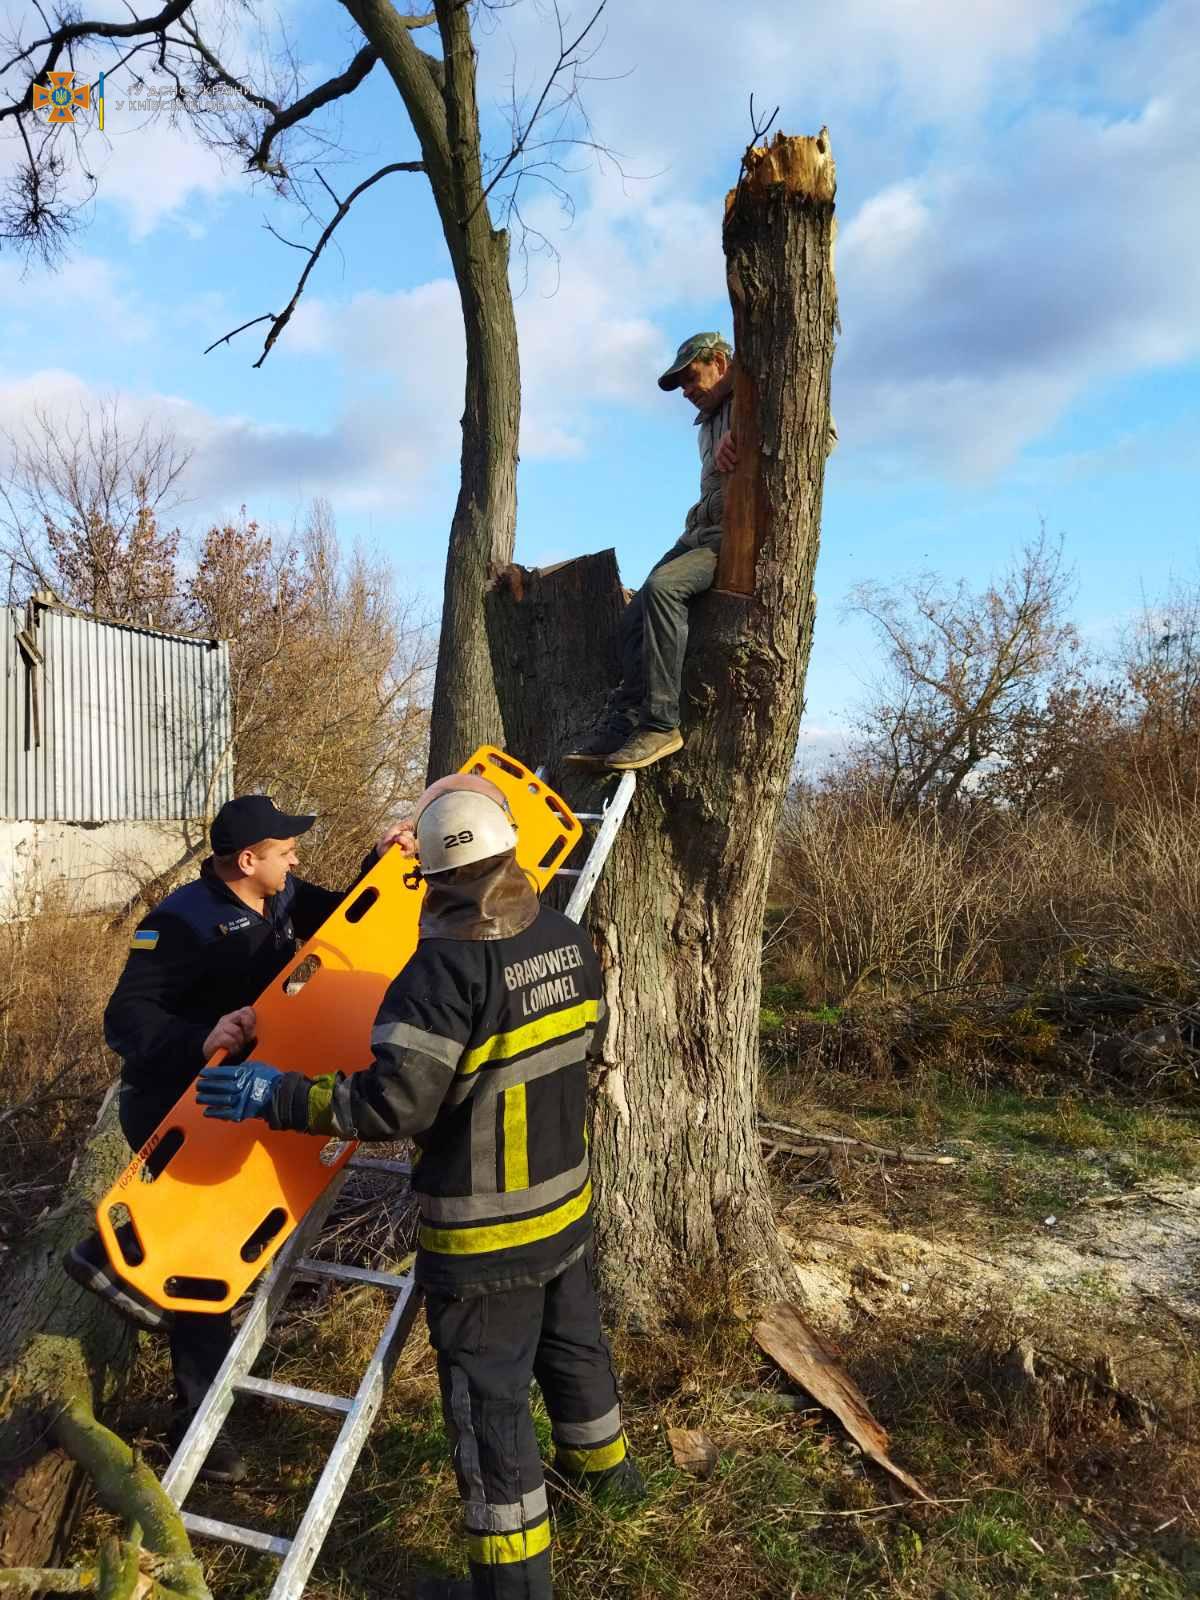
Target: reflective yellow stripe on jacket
[
  {"x": 554, "y": 1025},
  {"x": 503, "y": 1235}
]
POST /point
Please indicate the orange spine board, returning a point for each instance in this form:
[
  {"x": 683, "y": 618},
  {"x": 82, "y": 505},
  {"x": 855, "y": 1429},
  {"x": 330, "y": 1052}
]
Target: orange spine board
[{"x": 207, "y": 1203}]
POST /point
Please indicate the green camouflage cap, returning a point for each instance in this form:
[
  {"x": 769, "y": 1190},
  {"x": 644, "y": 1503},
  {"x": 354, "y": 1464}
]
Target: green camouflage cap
[{"x": 700, "y": 344}]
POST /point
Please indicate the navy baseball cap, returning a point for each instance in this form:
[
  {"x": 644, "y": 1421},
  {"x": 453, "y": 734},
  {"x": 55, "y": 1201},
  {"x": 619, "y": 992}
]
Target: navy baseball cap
[{"x": 248, "y": 820}]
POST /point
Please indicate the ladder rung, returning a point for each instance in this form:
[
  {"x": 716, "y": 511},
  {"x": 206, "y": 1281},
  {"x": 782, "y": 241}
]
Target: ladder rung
[
  {"x": 589, "y": 816},
  {"x": 334, "y": 1269},
  {"x": 568, "y": 872},
  {"x": 334, "y": 1405},
  {"x": 230, "y": 1533},
  {"x": 402, "y": 1169}
]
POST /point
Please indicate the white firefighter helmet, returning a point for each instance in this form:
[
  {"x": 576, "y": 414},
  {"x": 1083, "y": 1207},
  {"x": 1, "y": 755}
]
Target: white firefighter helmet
[{"x": 459, "y": 827}]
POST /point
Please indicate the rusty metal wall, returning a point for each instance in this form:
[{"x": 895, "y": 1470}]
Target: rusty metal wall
[{"x": 113, "y": 724}]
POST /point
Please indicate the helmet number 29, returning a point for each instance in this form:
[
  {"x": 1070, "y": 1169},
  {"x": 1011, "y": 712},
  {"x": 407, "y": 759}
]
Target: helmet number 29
[{"x": 450, "y": 840}]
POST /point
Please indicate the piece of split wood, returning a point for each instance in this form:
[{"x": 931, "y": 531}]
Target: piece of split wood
[
  {"x": 843, "y": 1141},
  {"x": 808, "y": 1361},
  {"x": 693, "y": 1450},
  {"x": 774, "y": 1148}
]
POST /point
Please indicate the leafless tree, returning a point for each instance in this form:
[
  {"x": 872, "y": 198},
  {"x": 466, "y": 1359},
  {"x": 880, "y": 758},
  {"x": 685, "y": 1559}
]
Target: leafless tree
[
  {"x": 272, "y": 119},
  {"x": 82, "y": 501},
  {"x": 961, "y": 666}
]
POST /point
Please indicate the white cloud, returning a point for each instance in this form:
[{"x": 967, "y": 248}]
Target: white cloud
[
  {"x": 673, "y": 80},
  {"x": 982, "y": 292},
  {"x": 979, "y": 304},
  {"x": 364, "y": 460},
  {"x": 87, "y": 298},
  {"x": 158, "y": 174}
]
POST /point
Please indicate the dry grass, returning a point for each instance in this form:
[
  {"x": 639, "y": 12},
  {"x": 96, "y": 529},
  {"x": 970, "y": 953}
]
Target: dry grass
[
  {"x": 869, "y": 899},
  {"x": 57, "y": 970},
  {"x": 1070, "y": 938},
  {"x": 1057, "y": 1500}
]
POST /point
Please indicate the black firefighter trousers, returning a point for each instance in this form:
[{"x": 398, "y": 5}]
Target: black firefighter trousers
[{"x": 488, "y": 1348}]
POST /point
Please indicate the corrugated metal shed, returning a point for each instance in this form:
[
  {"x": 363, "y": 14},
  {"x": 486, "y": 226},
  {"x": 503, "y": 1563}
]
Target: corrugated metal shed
[{"x": 102, "y": 722}]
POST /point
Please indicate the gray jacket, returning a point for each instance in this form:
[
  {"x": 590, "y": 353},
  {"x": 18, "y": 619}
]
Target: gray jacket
[{"x": 703, "y": 522}]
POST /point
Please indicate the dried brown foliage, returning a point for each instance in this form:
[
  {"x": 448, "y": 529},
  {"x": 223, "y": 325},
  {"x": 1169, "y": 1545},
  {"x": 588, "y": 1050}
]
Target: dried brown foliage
[{"x": 56, "y": 972}]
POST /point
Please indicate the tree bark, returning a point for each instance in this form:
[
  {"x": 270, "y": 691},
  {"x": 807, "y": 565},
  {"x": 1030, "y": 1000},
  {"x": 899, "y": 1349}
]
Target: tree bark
[
  {"x": 465, "y": 711},
  {"x": 677, "y": 914},
  {"x": 440, "y": 99},
  {"x": 57, "y": 1343}
]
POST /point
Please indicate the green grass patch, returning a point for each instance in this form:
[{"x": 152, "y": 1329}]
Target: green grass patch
[
  {"x": 1146, "y": 1141},
  {"x": 788, "y": 1002}
]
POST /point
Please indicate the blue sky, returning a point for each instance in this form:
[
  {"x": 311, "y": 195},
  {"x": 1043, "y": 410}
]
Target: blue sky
[{"x": 1019, "y": 211}]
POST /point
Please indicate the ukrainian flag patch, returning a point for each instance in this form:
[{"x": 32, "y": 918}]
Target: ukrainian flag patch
[{"x": 144, "y": 939}]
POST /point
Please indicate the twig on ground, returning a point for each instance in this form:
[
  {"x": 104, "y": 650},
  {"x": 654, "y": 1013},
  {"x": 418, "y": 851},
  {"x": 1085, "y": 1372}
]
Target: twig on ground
[{"x": 842, "y": 1141}]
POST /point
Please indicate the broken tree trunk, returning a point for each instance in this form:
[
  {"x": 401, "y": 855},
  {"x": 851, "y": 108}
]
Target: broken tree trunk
[
  {"x": 58, "y": 1345},
  {"x": 677, "y": 915}
]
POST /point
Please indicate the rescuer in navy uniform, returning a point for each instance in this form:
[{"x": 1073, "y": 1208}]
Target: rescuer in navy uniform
[
  {"x": 195, "y": 965},
  {"x": 480, "y": 1054}
]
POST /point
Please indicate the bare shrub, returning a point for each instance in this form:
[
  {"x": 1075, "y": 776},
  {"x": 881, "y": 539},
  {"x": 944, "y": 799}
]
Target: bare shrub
[
  {"x": 330, "y": 680},
  {"x": 893, "y": 899},
  {"x": 1158, "y": 880},
  {"x": 57, "y": 970},
  {"x": 943, "y": 898},
  {"x": 962, "y": 671}
]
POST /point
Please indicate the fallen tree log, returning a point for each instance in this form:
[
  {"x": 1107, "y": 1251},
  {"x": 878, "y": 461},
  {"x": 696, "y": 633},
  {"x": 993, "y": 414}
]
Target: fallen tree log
[{"x": 58, "y": 1344}]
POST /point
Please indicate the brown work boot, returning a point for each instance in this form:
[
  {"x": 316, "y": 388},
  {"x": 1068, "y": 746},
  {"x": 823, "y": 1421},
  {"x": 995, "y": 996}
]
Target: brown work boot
[{"x": 647, "y": 746}]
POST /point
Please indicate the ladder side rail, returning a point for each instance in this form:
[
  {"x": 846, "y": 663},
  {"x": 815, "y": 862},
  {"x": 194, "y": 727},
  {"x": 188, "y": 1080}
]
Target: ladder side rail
[
  {"x": 185, "y": 1464},
  {"x": 327, "y": 1496},
  {"x": 589, "y": 873}
]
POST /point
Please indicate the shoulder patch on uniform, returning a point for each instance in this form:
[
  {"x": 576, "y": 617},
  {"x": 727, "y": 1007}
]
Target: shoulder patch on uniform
[{"x": 144, "y": 939}]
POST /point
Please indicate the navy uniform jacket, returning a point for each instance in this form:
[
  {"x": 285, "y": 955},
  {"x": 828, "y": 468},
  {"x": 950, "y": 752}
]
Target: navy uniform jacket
[{"x": 200, "y": 953}]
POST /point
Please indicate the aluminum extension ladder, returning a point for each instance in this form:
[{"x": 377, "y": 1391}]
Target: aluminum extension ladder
[{"x": 359, "y": 1410}]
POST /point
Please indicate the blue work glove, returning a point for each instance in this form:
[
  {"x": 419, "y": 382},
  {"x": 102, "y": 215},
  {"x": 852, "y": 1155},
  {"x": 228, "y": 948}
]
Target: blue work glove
[{"x": 236, "y": 1093}]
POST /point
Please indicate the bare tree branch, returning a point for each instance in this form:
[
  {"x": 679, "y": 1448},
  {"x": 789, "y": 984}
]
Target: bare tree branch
[
  {"x": 278, "y": 323},
  {"x": 333, "y": 89},
  {"x": 220, "y": 73},
  {"x": 565, "y": 54},
  {"x": 226, "y": 338},
  {"x": 59, "y": 38}
]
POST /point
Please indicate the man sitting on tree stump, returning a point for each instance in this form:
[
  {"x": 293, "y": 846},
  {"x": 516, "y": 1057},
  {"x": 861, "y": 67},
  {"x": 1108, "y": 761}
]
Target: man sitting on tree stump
[{"x": 641, "y": 722}]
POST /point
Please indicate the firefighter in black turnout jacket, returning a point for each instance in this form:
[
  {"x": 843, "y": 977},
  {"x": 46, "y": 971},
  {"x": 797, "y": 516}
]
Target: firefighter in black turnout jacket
[
  {"x": 195, "y": 965},
  {"x": 480, "y": 1052}
]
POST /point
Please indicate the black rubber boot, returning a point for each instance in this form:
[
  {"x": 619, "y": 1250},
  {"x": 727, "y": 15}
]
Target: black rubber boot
[
  {"x": 90, "y": 1267},
  {"x": 443, "y": 1589},
  {"x": 224, "y": 1462},
  {"x": 610, "y": 733},
  {"x": 623, "y": 1485}
]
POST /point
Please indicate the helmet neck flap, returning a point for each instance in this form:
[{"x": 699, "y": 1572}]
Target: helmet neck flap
[{"x": 488, "y": 899}]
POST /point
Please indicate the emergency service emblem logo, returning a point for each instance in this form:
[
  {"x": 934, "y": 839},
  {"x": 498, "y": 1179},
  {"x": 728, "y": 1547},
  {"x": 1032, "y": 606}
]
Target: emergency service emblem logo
[{"x": 63, "y": 98}]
